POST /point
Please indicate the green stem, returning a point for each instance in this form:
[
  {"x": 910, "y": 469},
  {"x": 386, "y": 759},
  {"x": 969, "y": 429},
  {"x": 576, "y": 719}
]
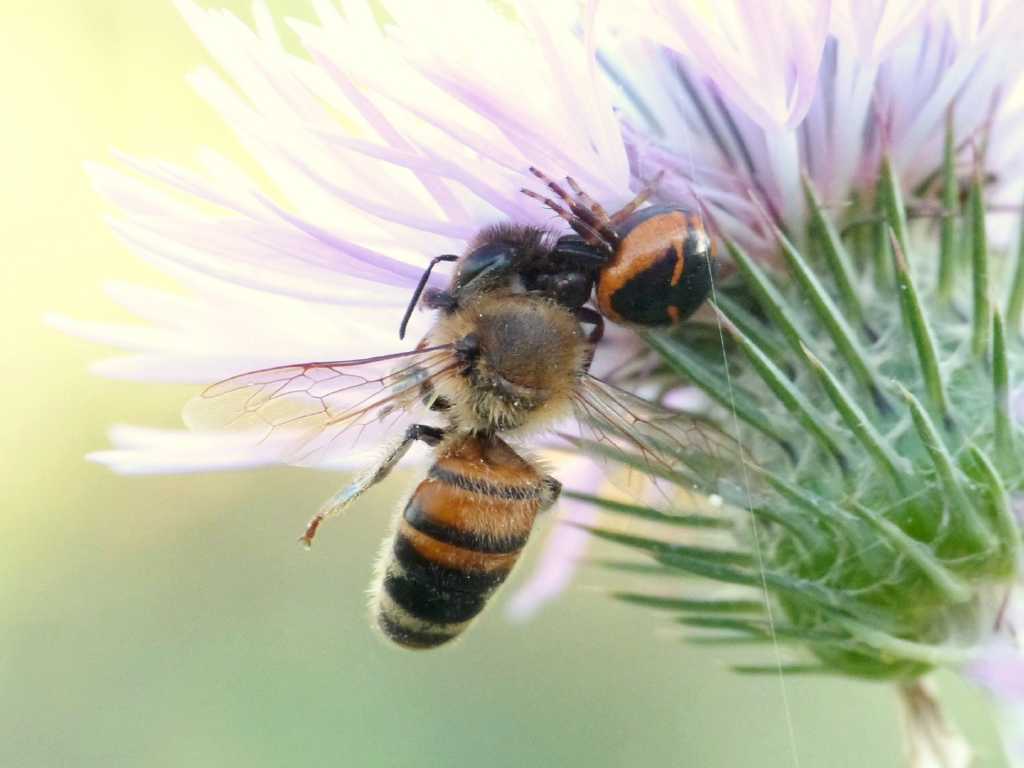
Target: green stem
[
  {"x": 950, "y": 213},
  {"x": 1015, "y": 303},
  {"x": 906, "y": 649},
  {"x": 714, "y": 386},
  {"x": 824, "y": 232},
  {"x": 862, "y": 428},
  {"x": 795, "y": 401},
  {"x": 1005, "y": 449},
  {"x": 920, "y": 331},
  {"x": 982, "y": 316},
  {"x": 956, "y": 493},
  {"x": 1006, "y": 521}
]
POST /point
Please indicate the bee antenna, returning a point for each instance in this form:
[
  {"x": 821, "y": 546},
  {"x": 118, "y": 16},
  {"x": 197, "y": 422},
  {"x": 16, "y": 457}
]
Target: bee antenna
[{"x": 419, "y": 291}]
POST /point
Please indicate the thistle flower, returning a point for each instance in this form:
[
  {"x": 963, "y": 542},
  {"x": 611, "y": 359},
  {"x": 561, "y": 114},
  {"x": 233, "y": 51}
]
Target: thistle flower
[
  {"x": 733, "y": 105},
  {"x": 382, "y": 148},
  {"x": 733, "y": 98},
  {"x": 865, "y": 361},
  {"x": 845, "y": 340},
  {"x": 875, "y": 525}
]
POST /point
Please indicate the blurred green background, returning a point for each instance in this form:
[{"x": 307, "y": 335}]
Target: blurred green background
[{"x": 175, "y": 621}]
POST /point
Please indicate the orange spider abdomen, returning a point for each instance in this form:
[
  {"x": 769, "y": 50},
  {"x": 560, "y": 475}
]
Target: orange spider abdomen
[{"x": 661, "y": 271}]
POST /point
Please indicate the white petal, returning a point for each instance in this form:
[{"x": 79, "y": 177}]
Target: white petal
[
  {"x": 388, "y": 147},
  {"x": 765, "y": 57},
  {"x": 932, "y": 741},
  {"x": 140, "y": 450},
  {"x": 144, "y": 450},
  {"x": 868, "y": 29},
  {"x": 886, "y": 83},
  {"x": 565, "y": 545}
]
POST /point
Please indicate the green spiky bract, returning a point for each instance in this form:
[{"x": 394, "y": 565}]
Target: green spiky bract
[{"x": 868, "y": 379}]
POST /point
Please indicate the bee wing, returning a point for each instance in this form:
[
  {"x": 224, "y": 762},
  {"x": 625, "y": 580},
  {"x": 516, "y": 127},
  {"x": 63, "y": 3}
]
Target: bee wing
[
  {"x": 680, "y": 447},
  {"x": 315, "y": 410}
]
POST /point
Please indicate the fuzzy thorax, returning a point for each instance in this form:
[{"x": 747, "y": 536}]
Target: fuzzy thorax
[{"x": 523, "y": 357}]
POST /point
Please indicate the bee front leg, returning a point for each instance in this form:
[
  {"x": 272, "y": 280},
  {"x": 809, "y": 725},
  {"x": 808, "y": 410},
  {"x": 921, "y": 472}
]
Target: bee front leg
[
  {"x": 339, "y": 501},
  {"x": 594, "y": 318}
]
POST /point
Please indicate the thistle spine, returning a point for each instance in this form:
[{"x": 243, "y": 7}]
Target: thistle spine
[{"x": 876, "y": 404}]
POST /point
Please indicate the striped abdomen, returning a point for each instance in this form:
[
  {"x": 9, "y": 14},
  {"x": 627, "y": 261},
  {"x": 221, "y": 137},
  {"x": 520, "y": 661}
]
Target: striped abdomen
[
  {"x": 662, "y": 270},
  {"x": 457, "y": 539}
]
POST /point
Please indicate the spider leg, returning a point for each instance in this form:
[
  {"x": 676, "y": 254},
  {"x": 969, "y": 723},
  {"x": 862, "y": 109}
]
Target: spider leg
[
  {"x": 627, "y": 210},
  {"x": 600, "y": 214},
  {"x": 584, "y": 214},
  {"x": 590, "y": 235}
]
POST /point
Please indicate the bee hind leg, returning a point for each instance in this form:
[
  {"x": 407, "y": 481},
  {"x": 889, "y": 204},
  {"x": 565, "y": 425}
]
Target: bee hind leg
[
  {"x": 394, "y": 454},
  {"x": 552, "y": 490}
]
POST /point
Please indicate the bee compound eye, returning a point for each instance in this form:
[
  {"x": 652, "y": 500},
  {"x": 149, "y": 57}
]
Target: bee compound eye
[{"x": 487, "y": 259}]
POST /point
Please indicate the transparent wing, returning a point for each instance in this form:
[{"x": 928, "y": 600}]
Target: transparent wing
[
  {"x": 679, "y": 447},
  {"x": 313, "y": 411}
]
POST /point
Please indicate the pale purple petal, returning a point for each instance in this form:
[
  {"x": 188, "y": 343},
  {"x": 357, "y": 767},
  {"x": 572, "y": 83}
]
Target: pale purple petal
[
  {"x": 1000, "y": 670},
  {"x": 764, "y": 57},
  {"x": 882, "y": 78},
  {"x": 998, "y": 667},
  {"x": 565, "y": 545},
  {"x": 263, "y": 255},
  {"x": 868, "y": 29},
  {"x": 388, "y": 145},
  {"x": 143, "y": 450},
  {"x": 971, "y": 20},
  {"x": 146, "y": 450},
  {"x": 219, "y": 330}
]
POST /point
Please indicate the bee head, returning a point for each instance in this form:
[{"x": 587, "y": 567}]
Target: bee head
[
  {"x": 496, "y": 257},
  {"x": 486, "y": 264}
]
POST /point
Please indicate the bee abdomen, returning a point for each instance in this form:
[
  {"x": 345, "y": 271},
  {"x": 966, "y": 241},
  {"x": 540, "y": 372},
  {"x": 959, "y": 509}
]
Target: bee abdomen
[
  {"x": 457, "y": 540},
  {"x": 428, "y": 596}
]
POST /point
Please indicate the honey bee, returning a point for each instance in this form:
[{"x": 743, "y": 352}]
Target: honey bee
[{"x": 508, "y": 353}]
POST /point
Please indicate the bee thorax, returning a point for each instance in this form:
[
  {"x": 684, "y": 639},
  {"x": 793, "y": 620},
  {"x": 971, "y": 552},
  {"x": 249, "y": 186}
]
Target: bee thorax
[{"x": 520, "y": 357}]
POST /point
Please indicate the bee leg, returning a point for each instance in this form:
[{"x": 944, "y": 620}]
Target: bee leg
[
  {"x": 594, "y": 318},
  {"x": 552, "y": 490},
  {"x": 339, "y": 501}
]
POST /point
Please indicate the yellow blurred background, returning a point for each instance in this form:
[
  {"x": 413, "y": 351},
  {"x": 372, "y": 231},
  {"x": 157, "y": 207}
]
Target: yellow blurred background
[{"x": 174, "y": 621}]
